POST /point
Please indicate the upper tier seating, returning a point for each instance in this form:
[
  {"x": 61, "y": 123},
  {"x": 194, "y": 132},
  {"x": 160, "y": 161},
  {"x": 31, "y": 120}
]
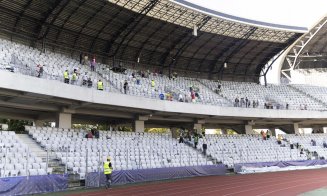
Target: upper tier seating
[
  {"x": 128, "y": 150},
  {"x": 318, "y": 92},
  {"x": 176, "y": 87},
  {"x": 23, "y": 59},
  {"x": 278, "y": 94},
  {"x": 15, "y": 158},
  {"x": 233, "y": 149}
]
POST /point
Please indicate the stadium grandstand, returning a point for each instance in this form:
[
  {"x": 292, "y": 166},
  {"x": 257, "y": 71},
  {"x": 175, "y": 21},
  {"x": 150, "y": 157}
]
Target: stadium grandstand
[{"x": 96, "y": 95}]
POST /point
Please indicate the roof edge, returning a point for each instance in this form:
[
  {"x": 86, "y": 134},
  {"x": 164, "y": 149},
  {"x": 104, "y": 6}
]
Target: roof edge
[{"x": 240, "y": 19}]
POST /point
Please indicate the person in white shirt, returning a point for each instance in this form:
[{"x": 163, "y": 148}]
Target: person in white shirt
[
  {"x": 180, "y": 98},
  {"x": 85, "y": 78}
]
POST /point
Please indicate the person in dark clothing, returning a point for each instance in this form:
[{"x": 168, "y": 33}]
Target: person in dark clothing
[
  {"x": 268, "y": 134},
  {"x": 125, "y": 86},
  {"x": 97, "y": 134},
  {"x": 90, "y": 135},
  {"x": 246, "y": 102},
  {"x": 40, "y": 71},
  {"x": 89, "y": 82},
  {"x": 204, "y": 146},
  {"x": 181, "y": 136},
  {"x": 181, "y": 139},
  {"x": 237, "y": 101},
  {"x": 81, "y": 58}
]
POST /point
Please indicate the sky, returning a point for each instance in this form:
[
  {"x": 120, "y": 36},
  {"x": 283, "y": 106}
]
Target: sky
[{"x": 302, "y": 13}]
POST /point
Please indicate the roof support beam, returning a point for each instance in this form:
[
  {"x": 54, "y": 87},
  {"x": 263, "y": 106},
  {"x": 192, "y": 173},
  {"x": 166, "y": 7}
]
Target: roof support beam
[
  {"x": 150, "y": 37},
  {"x": 67, "y": 19},
  {"x": 199, "y": 48},
  {"x": 26, "y": 6},
  {"x": 128, "y": 27},
  {"x": 107, "y": 24},
  {"x": 50, "y": 17},
  {"x": 213, "y": 48},
  {"x": 147, "y": 39},
  {"x": 302, "y": 46},
  {"x": 191, "y": 39},
  {"x": 231, "y": 49},
  {"x": 166, "y": 37},
  {"x": 90, "y": 19},
  {"x": 164, "y": 57},
  {"x": 241, "y": 58}
]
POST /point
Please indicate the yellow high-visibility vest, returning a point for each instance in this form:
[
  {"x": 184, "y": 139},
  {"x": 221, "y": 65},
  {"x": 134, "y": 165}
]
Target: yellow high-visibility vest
[
  {"x": 106, "y": 168},
  {"x": 153, "y": 83},
  {"x": 66, "y": 75},
  {"x": 74, "y": 76},
  {"x": 100, "y": 85}
]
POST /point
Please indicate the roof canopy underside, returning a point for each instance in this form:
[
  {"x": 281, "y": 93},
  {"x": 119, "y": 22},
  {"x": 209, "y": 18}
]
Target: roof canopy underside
[
  {"x": 158, "y": 32},
  {"x": 311, "y": 49}
]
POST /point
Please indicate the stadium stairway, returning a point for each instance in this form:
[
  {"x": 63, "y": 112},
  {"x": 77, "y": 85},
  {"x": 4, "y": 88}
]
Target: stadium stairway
[
  {"x": 209, "y": 89},
  {"x": 308, "y": 95},
  {"x": 35, "y": 148}
]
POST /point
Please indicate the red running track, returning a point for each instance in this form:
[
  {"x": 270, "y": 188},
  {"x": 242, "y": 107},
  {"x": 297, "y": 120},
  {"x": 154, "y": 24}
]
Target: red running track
[{"x": 277, "y": 183}]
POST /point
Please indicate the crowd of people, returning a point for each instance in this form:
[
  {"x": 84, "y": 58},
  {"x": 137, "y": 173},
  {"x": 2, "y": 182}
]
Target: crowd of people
[
  {"x": 241, "y": 102},
  {"x": 190, "y": 136},
  {"x": 72, "y": 78},
  {"x": 169, "y": 94},
  {"x": 265, "y": 135},
  {"x": 93, "y": 133}
]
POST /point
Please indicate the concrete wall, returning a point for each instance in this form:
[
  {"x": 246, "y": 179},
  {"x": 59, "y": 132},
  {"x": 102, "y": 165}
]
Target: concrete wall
[{"x": 58, "y": 89}]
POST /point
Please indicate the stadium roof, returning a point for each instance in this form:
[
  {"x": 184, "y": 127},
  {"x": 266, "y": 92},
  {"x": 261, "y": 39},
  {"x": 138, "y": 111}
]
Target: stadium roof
[
  {"x": 158, "y": 32},
  {"x": 310, "y": 51}
]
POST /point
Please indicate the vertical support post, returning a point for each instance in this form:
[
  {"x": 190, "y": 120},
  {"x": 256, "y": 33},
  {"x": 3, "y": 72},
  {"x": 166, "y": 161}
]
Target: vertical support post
[
  {"x": 180, "y": 157},
  {"x": 64, "y": 120},
  {"x": 28, "y": 160},
  {"x": 47, "y": 164},
  {"x": 189, "y": 157},
  {"x": 197, "y": 158},
  {"x": 150, "y": 156},
  {"x": 126, "y": 159},
  {"x": 296, "y": 128},
  {"x": 5, "y": 161},
  {"x": 86, "y": 169},
  {"x": 99, "y": 163},
  {"x": 66, "y": 160},
  {"x": 248, "y": 129},
  {"x": 140, "y": 159},
  {"x": 139, "y": 126},
  {"x": 26, "y": 169}
]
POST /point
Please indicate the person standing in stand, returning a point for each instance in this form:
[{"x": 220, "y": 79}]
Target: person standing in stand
[{"x": 107, "y": 170}]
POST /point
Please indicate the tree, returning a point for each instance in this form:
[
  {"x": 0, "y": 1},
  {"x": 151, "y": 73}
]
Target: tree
[
  {"x": 231, "y": 132},
  {"x": 156, "y": 130},
  {"x": 16, "y": 125}
]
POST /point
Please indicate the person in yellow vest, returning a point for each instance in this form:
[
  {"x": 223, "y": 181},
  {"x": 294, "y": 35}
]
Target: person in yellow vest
[
  {"x": 100, "y": 85},
  {"x": 153, "y": 83},
  {"x": 74, "y": 78},
  {"x": 66, "y": 77},
  {"x": 107, "y": 170}
]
